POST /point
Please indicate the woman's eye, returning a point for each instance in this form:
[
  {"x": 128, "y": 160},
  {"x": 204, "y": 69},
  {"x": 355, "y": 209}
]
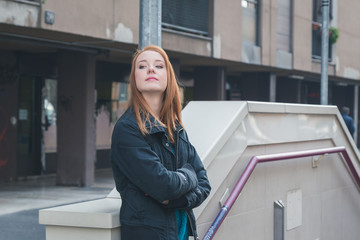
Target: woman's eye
[
  {"x": 160, "y": 66},
  {"x": 142, "y": 67}
]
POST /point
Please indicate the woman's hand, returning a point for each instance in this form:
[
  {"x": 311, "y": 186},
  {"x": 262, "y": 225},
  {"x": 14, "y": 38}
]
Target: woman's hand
[{"x": 165, "y": 202}]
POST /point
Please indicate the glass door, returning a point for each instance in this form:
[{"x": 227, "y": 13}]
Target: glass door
[{"x": 29, "y": 127}]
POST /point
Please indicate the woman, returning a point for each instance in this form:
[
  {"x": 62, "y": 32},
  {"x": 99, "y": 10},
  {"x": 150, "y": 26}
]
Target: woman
[{"x": 156, "y": 169}]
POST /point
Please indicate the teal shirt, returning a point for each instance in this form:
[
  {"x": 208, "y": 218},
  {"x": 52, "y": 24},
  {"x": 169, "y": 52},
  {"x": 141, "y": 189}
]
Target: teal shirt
[
  {"x": 181, "y": 219},
  {"x": 181, "y": 216}
]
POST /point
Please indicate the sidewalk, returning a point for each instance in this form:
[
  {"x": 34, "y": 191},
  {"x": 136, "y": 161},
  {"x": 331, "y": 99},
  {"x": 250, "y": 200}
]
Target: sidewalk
[{"x": 20, "y": 202}]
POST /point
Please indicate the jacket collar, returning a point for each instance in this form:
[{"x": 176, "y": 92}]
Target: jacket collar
[{"x": 153, "y": 126}]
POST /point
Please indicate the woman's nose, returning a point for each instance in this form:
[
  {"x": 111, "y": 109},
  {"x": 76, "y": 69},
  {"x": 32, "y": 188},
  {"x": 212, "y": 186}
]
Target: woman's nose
[{"x": 151, "y": 69}]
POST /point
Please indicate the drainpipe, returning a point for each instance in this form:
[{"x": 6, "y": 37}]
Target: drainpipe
[
  {"x": 324, "y": 52},
  {"x": 356, "y": 112},
  {"x": 150, "y": 23}
]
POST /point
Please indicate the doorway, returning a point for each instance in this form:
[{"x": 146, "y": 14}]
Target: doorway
[
  {"x": 29, "y": 127},
  {"x": 37, "y": 131}
]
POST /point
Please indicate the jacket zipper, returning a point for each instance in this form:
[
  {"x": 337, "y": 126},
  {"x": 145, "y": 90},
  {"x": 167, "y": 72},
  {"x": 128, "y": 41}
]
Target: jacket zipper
[
  {"x": 177, "y": 162},
  {"x": 191, "y": 226},
  {"x": 177, "y": 148}
]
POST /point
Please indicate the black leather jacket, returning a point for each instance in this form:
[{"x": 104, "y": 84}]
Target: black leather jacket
[{"x": 147, "y": 172}]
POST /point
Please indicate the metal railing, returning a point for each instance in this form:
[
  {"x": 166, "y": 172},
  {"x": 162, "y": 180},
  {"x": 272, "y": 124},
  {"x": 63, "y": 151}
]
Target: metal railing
[{"x": 271, "y": 158}]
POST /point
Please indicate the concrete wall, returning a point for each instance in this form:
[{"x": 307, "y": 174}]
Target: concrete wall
[
  {"x": 118, "y": 21},
  {"x": 227, "y": 20},
  {"x": 26, "y": 15},
  {"x": 185, "y": 44},
  {"x": 320, "y": 198},
  {"x": 302, "y": 35},
  {"x": 268, "y": 32},
  {"x": 328, "y": 207},
  {"x": 347, "y": 50},
  {"x": 109, "y": 19}
]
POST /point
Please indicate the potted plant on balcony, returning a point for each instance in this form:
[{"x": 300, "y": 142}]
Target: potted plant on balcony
[
  {"x": 333, "y": 35},
  {"x": 316, "y": 26}
]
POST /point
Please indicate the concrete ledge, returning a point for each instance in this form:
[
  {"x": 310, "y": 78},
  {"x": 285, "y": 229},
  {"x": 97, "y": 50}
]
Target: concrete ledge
[
  {"x": 270, "y": 107},
  {"x": 79, "y": 233},
  {"x": 102, "y": 213}
]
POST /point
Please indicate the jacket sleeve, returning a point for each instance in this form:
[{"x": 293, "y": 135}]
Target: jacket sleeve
[
  {"x": 132, "y": 157},
  {"x": 196, "y": 196}
]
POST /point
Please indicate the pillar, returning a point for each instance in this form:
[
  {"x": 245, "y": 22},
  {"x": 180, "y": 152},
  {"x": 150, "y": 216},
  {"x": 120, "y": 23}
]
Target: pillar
[
  {"x": 76, "y": 119},
  {"x": 210, "y": 83},
  {"x": 9, "y": 95},
  {"x": 272, "y": 87}
]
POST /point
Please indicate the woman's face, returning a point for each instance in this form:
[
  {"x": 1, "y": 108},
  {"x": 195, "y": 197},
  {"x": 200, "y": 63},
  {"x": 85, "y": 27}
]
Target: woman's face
[{"x": 150, "y": 73}]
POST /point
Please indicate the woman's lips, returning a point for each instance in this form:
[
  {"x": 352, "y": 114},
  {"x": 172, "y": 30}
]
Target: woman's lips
[{"x": 151, "y": 79}]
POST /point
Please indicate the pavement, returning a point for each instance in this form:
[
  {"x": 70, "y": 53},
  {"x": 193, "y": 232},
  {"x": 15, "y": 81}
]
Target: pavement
[{"x": 20, "y": 202}]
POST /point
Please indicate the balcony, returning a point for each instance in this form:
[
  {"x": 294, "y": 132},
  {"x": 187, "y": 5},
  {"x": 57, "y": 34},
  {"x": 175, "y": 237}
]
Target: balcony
[{"x": 20, "y": 12}]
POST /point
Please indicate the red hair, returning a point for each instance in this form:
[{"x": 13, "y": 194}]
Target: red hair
[{"x": 170, "y": 113}]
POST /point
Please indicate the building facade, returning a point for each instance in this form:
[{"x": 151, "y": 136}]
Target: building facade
[{"x": 64, "y": 68}]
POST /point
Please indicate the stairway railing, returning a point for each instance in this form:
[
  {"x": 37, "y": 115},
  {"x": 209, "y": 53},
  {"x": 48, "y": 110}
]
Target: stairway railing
[{"x": 271, "y": 158}]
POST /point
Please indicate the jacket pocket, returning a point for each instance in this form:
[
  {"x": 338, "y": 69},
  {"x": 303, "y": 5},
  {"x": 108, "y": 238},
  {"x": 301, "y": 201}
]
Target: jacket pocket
[{"x": 134, "y": 205}]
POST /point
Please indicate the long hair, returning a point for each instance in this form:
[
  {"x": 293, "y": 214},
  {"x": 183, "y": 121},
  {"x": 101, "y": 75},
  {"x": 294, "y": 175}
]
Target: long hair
[{"x": 170, "y": 113}]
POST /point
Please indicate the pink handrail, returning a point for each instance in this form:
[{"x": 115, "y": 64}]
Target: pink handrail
[{"x": 271, "y": 158}]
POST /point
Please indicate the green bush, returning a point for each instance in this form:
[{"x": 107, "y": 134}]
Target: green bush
[{"x": 334, "y": 35}]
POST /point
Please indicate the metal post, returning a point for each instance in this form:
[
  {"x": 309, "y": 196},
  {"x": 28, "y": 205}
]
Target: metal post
[
  {"x": 324, "y": 52},
  {"x": 272, "y": 87},
  {"x": 356, "y": 112},
  {"x": 222, "y": 82},
  {"x": 279, "y": 221},
  {"x": 150, "y": 23}
]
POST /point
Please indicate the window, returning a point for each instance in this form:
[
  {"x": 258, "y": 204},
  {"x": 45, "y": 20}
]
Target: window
[
  {"x": 111, "y": 104},
  {"x": 317, "y": 10},
  {"x": 186, "y": 16},
  {"x": 316, "y": 28},
  {"x": 250, "y": 21},
  {"x": 284, "y": 24},
  {"x": 49, "y": 105}
]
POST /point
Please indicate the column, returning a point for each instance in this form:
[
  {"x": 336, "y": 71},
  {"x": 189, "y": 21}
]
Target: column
[
  {"x": 272, "y": 93},
  {"x": 209, "y": 83},
  {"x": 76, "y": 118},
  {"x": 9, "y": 95}
]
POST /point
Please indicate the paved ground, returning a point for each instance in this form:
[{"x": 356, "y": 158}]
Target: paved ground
[
  {"x": 21, "y": 225},
  {"x": 20, "y": 202}
]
